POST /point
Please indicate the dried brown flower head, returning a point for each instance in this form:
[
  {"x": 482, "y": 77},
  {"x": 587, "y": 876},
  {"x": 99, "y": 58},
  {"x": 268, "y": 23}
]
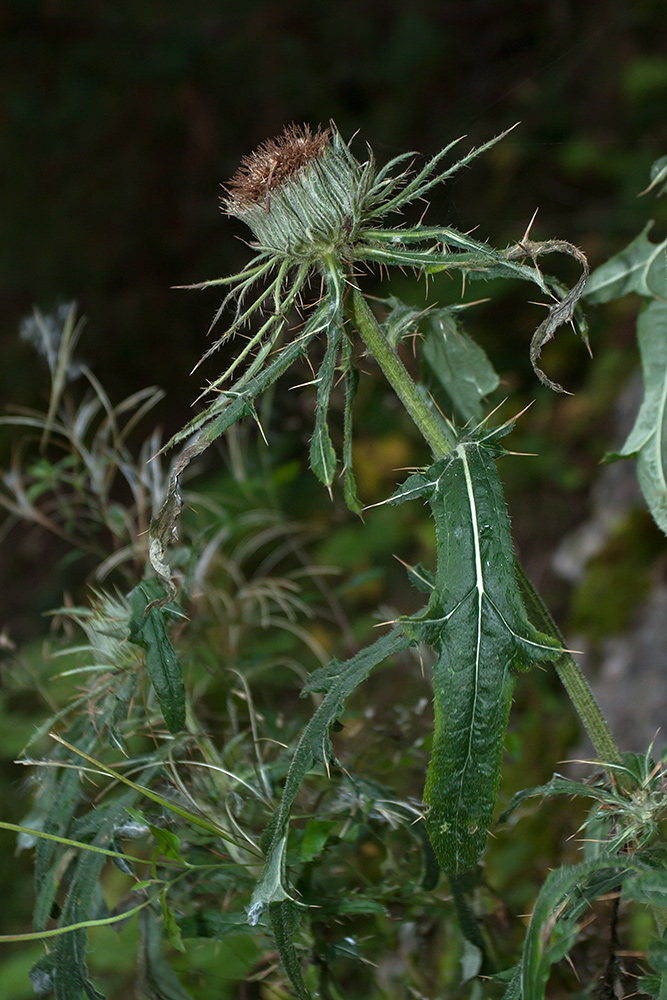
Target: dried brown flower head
[{"x": 272, "y": 163}]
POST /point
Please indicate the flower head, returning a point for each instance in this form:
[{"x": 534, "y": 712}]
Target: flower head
[
  {"x": 273, "y": 163},
  {"x": 298, "y": 193}
]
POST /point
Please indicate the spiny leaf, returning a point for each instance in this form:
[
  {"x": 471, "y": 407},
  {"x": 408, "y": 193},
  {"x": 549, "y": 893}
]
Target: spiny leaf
[
  {"x": 230, "y": 407},
  {"x": 553, "y": 928},
  {"x": 148, "y": 629},
  {"x": 322, "y": 453},
  {"x": 284, "y": 921},
  {"x": 478, "y": 626},
  {"x": 559, "y": 786},
  {"x": 451, "y": 357},
  {"x": 148, "y": 793},
  {"x": 60, "y": 793},
  {"x": 479, "y": 260},
  {"x": 401, "y": 320}
]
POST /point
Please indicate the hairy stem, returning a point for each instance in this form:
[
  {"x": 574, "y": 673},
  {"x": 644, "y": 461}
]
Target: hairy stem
[
  {"x": 573, "y": 680},
  {"x": 440, "y": 440}
]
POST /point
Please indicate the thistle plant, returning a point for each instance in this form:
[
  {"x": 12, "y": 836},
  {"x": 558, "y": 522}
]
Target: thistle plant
[
  {"x": 318, "y": 215},
  {"x": 320, "y": 219}
]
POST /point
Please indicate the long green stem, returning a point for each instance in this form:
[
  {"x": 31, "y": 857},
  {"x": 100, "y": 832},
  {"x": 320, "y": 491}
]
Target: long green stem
[
  {"x": 584, "y": 701},
  {"x": 573, "y": 680},
  {"x": 441, "y": 442},
  {"x": 433, "y": 430}
]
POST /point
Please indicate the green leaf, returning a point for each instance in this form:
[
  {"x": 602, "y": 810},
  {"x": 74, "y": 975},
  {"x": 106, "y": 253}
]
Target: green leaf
[
  {"x": 230, "y": 404},
  {"x": 322, "y": 452},
  {"x": 60, "y": 795},
  {"x": 284, "y": 921},
  {"x": 653, "y": 986},
  {"x": 67, "y": 970},
  {"x": 648, "y": 887},
  {"x": 639, "y": 268},
  {"x": 478, "y": 626},
  {"x": 559, "y": 786},
  {"x": 567, "y": 892},
  {"x": 658, "y": 175},
  {"x": 401, "y": 320},
  {"x": 513, "y": 979},
  {"x": 168, "y": 843},
  {"x": 148, "y": 629},
  {"x": 212, "y": 924},
  {"x": 648, "y": 437},
  {"x": 657, "y": 955},
  {"x": 157, "y": 980},
  {"x": 351, "y": 383},
  {"x": 338, "y": 680},
  {"x": 421, "y": 578},
  {"x": 359, "y": 904},
  {"x": 458, "y": 363},
  {"x": 315, "y": 837},
  {"x": 170, "y": 925}
]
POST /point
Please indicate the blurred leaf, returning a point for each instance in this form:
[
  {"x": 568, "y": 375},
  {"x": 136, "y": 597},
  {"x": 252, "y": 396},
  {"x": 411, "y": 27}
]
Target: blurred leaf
[
  {"x": 458, "y": 363},
  {"x": 212, "y": 924},
  {"x": 657, "y": 956},
  {"x": 157, "y": 980},
  {"x": 652, "y": 986},
  {"x": 648, "y": 887},
  {"x": 471, "y": 961},
  {"x": 360, "y": 904},
  {"x": 315, "y": 837},
  {"x": 648, "y": 437},
  {"x": 170, "y": 925},
  {"x": 658, "y": 175},
  {"x": 640, "y": 268},
  {"x": 168, "y": 843}
]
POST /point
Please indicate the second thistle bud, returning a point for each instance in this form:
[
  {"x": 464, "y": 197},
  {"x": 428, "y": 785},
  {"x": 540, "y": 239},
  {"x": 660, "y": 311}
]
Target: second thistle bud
[{"x": 300, "y": 194}]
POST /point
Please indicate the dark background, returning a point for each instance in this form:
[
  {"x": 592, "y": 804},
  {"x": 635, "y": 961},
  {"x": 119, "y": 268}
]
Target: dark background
[{"x": 119, "y": 120}]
